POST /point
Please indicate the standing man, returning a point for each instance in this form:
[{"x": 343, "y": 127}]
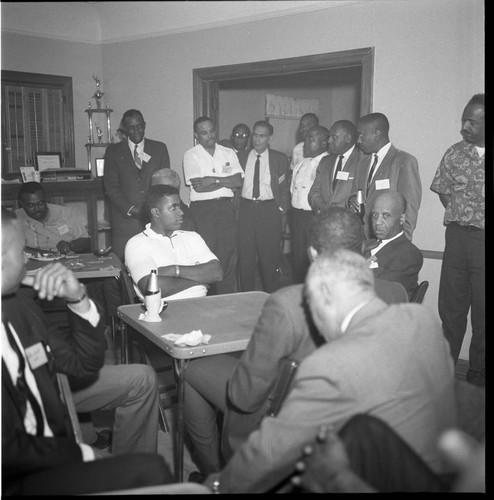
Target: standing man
[
  {"x": 304, "y": 173},
  {"x": 384, "y": 167},
  {"x": 239, "y": 138},
  {"x": 213, "y": 173},
  {"x": 265, "y": 195},
  {"x": 460, "y": 183},
  {"x": 129, "y": 166},
  {"x": 334, "y": 177},
  {"x": 307, "y": 121}
]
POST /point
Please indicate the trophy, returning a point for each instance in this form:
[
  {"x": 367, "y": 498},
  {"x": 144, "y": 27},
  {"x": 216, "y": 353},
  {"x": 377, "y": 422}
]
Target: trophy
[
  {"x": 98, "y": 95},
  {"x": 99, "y": 132}
]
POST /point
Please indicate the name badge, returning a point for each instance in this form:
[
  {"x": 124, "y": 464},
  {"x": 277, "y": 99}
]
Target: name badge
[
  {"x": 63, "y": 229},
  {"x": 36, "y": 355},
  {"x": 342, "y": 176},
  {"x": 227, "y": 168},
  {"x": 382, "y": 184},
  {"x": 145, "y": 157}
]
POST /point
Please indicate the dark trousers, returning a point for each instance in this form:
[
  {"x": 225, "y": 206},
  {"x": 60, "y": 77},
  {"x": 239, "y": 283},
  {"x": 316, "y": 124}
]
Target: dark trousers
[
  {"x": 301, "y": 220},
  {"x": 379, "y": 456},
  {"x": 106, "y": 474},
  {"x": 216, "y": 222},
  {"x": 259, "y": 237},
  {"x": 462, "y": 288}
]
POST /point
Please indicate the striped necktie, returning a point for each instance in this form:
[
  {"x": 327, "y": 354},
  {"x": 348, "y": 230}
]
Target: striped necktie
[
  {"x": 137, "y": 159},
  {"x": 371, "y": 172},
  {"x": 338, "y": 169}
]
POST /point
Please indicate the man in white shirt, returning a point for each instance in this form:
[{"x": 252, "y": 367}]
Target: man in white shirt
[
  {"x": 213, "y": 172},
  {"x": 304, "y": 173},
  {"x": 184, "y": 263},
  {"x": 307, "y": 121}
]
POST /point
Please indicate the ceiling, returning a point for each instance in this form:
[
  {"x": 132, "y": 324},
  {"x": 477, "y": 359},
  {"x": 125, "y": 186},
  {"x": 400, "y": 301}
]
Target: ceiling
[{"x": 111, "y": 22}]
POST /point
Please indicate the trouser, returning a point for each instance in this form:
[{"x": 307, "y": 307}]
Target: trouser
[
  {"x": 462, "y": 288},
  {"x": 103, "y": 475},
  {"x": 300, "y": 241},
  {"x": 259, "y": 236},
  {"x": 132, "y": 391},
  {"x": 205, "y": 394},
  {"x": 216, "y": 222}
]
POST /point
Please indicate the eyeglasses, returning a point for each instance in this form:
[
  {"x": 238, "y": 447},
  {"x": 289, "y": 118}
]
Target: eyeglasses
[
  {"x": 238, "y": 134},
  {"x": 32, "y": 206}
]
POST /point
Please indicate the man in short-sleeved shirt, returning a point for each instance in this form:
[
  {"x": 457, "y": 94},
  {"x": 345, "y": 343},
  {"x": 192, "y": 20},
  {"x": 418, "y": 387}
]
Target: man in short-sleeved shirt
[
  {"x": 184, "y": 262},
  {"x": 460, "y": 183},
  {"x": 213, "y": 172}
]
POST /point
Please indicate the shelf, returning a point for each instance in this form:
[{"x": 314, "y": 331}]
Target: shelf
[
  {"x": 98, "y": 144},
  {"x": 101, "y": 110}
]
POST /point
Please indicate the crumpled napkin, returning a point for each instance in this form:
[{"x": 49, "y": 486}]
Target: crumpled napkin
[
  {"x": 150, "y": 317},
  {"x": 195, "y": 337}
]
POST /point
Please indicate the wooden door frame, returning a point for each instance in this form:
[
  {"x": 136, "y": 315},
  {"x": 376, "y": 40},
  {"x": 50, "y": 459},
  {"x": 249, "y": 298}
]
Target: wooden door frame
[{"x": 206, "y": 80}]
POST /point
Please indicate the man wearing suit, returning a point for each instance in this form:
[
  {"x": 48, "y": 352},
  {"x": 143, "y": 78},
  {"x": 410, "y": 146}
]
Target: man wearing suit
[
  {"x": 265, "y": 195},
  {"x": 389, "y": 361},
  {"x": 129, "y": 166},
  {"x": 384, "y": 167},
  {"x": 39, "y": 452},
  {"x": 393, "y": 257},
  {"x": 242, "y": 389},
  {"x": 334, "y": 176}
]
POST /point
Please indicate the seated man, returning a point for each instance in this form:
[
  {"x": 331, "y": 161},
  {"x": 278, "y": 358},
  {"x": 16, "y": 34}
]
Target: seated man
[
  {"x": 171, "y": 178},
  {"x": 49, "y": 227},
  {"x": 413, "y": 394},
  {"x": 39, "y": 453},
  {"x": 284, "y": 331},
  {"x": 184, "y": 262},
  {"x": 393, "y": 257}
]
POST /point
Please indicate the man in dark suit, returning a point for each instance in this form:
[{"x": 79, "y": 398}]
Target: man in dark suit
[
  {"x": 242, "y": 388},
  {"x": 39, "y": 452},
  {"x": 335, "y": 173},
  {"x": 388, "y": 361},
  {"x": 384, "y": 167},
  {"x": 392, "y": 256},
  {"x": 129, "y": 166},
  {"x": 265, "y": 196}
]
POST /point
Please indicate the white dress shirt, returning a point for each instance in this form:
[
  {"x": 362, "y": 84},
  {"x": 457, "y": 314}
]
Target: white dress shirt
[
  {"x": 265, "y": 191},
  {"x": 302, "y": 180}
]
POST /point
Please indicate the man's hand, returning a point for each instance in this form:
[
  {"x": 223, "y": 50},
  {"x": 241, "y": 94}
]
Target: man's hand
[
  {"x": 201, "y": 184},
  {"x": 352, "y": 203},
  {"x": 64, "y": 247},
  {"x": 55, "y": 280},
  {"x": 137, "y": 211}
]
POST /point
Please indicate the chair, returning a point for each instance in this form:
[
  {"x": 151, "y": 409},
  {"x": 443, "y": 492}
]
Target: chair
[
  {"x": 282, "y": 386},
  {"x": 130, "y": 297},
  {"x": 66, "y": 394},
  {"x": 419, "y": 292}
]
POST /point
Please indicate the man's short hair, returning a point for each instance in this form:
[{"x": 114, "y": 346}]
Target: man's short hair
[
  {"x": 336, "y": 227},
  {"x": 348, "y": 127},
  {"x": 379, "y": 119},
  {"x": 166, "y": 176},
  {"x": 238, "y": 125},
  {"x": 312, "y": 116},
  {"x": 477, "y": 99},
  {"x": 265, "y": 124},
  {"x": 321, "y": 130},
  {"x": 156, "y": 194},
  {"x": 200, "y": 120},
  {"x": 132, "y": 113},
  {"x": 29, "y": 188}
]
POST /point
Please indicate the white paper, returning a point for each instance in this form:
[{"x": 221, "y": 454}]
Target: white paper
[{"x": 382, "y": 184}]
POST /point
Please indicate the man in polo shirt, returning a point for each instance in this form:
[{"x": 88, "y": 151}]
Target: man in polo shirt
[
  {"x": 185, "y": 264},
  {"x": 213, "y": 172}
]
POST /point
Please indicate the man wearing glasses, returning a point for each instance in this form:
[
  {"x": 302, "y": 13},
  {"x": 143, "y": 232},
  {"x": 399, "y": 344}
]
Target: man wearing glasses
[{"x": 239, "y": 138}]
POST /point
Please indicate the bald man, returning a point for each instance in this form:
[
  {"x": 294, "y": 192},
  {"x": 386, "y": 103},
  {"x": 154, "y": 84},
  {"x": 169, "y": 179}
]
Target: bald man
[
  {"x": 307, "y": 121},
  {"x": 392, "y": 256},
  {"x": 384, "y": 167}
]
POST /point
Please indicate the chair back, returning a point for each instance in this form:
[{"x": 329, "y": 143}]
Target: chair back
[
  {"x": 419, "y": 293},
  {"x": 282, "y": 386},
  {"x": 128, "y": 292},
  {"x": 66, "y": 394}
]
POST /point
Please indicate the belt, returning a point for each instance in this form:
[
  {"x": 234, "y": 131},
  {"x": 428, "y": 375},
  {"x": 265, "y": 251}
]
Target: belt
[
  {"x": 469, "y": 227},
  {"x": 258, "y": 201},
  {"x": 221, "y": 198}
]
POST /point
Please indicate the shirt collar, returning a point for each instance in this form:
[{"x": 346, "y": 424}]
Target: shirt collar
[
  {"x": 132, "y": 145},
  {"x": 151, "y": 233},
  {"x": 383, "y": 151},
  {"x": 385, "y": 242},
  {"x": 350, "y": 315},
  {"x": 347, "y": 154}
]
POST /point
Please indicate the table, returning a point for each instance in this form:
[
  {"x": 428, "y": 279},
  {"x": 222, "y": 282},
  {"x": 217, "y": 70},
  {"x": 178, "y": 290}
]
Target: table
[
  {"x": 84, "y": 265},
  {"x": 229, "y": 319}
]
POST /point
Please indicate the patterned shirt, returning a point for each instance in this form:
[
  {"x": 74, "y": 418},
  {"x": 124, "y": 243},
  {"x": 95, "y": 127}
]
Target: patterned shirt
[{"x": 461, "y": 174}]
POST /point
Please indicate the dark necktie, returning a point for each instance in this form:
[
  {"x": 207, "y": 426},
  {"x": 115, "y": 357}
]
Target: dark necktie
[
  {"x": 23, "y": 391},
  {"x": 338, "y": 169},
  {"x": 255, "y": 186},
  {"x": 137, "y": 159},
  {"x": 371, "y": 171}
]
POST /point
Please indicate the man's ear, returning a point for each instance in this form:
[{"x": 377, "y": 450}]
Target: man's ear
[
  {"x": 155, "y": 212},
  {"x": 312, "y": 253},
  {"x": 402, "y": 219}
]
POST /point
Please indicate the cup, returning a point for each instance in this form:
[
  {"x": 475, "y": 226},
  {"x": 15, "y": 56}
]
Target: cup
[{"x": 154, "y": 305}]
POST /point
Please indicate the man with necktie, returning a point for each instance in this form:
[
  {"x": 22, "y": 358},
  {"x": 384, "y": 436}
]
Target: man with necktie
[
  {"x": 129, "y": 166},
  {"x": 384, "y": 167},
  {"x": 334, "y": 176},
  {"x": 265, "y": 196},
  {"x": 39, "y": 452},
  {"x": 304, "y": 173}
]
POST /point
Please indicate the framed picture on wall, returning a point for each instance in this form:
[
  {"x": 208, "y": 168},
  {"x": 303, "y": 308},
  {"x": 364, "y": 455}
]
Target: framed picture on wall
[
  {"x": 100, "y": 167},
  {"x": 48, "y": 161}
]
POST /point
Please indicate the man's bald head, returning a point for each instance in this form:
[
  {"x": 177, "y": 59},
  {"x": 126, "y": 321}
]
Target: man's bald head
[{"x": 388, "y": 214}]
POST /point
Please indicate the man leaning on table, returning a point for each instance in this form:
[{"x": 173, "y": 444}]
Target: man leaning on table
[{"x": 185, "y": 264}]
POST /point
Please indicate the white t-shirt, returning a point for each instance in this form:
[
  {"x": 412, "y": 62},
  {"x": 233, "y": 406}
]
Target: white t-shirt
[
  {"x": 297, "y": 155},
  {"x": 302, "y": 180},
  {"x": 199, "y": 163},
  {"x": 150, "y": 250}
]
